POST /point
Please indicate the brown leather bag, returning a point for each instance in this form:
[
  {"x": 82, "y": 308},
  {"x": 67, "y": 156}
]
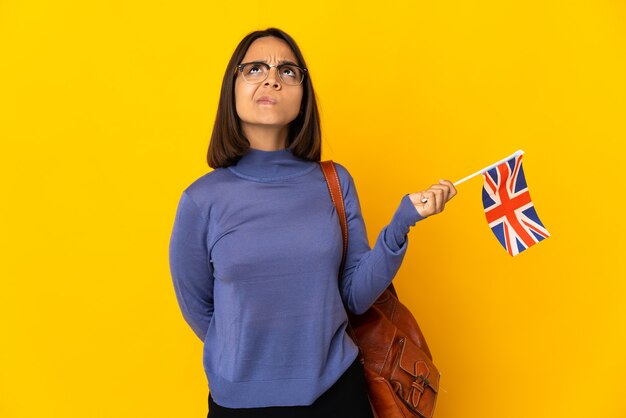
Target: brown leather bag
[{"x": 401, "y": 377}]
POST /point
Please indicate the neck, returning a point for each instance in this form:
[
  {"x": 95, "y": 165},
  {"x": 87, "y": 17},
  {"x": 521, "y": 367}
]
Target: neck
[
  {"x": 266, "y": 138},
  {"x": 266, "y": 166}
]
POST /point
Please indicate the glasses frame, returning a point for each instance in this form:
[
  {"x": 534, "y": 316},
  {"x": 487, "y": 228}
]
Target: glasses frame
[{"x": 269, "y": 68}]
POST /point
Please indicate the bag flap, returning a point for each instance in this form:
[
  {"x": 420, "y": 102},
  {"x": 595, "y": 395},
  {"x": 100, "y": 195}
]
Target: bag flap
[{"x": 416, "y": 363}]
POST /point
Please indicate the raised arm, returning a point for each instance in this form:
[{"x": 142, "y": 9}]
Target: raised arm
[{"x": 369, "y": 271}]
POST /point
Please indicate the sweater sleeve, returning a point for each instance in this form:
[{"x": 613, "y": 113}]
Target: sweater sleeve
[
  {"x": 369, "y": 271},
  {"x": 190, "y": 268}
]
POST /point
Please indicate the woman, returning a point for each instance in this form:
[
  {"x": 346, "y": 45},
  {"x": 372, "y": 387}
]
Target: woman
[{"x": 256, "y": 247}]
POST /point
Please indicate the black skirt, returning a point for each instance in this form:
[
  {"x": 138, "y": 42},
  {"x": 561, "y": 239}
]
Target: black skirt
[{"x": 346, "y": 398}]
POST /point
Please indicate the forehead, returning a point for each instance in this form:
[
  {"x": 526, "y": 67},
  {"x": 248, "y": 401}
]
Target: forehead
[{"x": 269, "y": 49}]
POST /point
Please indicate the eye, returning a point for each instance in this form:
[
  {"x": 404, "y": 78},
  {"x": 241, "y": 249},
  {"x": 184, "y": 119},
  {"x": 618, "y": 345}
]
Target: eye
[
  {"x": 253, "y": 70},
  {"x": 289, "y": 71}
]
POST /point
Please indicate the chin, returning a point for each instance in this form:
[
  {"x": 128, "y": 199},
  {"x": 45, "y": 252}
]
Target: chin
[{"x": 274, "y": 122}]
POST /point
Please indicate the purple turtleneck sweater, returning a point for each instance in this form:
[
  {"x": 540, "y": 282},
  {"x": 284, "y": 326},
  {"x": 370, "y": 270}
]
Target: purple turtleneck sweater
[{"x": 254, "y": 256}]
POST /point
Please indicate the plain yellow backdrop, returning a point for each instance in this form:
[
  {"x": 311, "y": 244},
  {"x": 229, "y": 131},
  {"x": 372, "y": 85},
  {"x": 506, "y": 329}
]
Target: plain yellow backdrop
[{"x": 106, "y": 109}]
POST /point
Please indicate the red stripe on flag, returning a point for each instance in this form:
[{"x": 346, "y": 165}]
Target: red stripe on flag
[
  {"x": 507, "y": 239},
  {"x": 490, "y": 183},
  {"x": 535, "y": 229}
]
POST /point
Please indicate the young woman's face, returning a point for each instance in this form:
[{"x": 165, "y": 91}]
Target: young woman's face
[{"x": 270, "y": 103}]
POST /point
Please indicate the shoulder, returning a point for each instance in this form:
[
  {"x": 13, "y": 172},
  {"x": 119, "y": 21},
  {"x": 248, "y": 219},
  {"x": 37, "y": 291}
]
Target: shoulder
[
  {"x": 205, "y": 188},
  {"x": 345, "y": 179}
]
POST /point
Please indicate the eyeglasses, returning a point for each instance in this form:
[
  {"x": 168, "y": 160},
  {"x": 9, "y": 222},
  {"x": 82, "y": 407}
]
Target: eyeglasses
[{"x": 257, "y": 72}]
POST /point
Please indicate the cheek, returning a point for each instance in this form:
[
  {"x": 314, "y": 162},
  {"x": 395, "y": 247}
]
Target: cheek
[
  {"x": 242, "y": 97},
  {"x": 297, "y": 101}
]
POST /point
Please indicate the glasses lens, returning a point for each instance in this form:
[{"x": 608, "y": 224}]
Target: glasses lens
[
  {"x": 254, "y": 73},
  {"x": 257, "y": 73},
  {"x": 291, "y": 74}
]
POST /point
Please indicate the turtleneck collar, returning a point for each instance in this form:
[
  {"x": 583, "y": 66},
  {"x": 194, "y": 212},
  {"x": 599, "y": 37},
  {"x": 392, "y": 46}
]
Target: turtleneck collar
[{"x": 266, "y": 166}]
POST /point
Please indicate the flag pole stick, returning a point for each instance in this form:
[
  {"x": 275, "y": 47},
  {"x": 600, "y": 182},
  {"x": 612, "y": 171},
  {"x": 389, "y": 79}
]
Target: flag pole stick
[{"x": 515, "y": 154}]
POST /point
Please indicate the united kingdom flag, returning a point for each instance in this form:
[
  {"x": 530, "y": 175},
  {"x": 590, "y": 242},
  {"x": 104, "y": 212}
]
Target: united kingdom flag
[{"x": 508, "y": 208}]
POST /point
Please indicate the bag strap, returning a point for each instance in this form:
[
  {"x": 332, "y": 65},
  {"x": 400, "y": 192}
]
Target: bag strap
[{"x": 334, "y": 187}]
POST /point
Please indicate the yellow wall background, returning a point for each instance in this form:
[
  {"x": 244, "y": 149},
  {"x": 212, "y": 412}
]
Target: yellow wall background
[{"x": 106, "y": 109}]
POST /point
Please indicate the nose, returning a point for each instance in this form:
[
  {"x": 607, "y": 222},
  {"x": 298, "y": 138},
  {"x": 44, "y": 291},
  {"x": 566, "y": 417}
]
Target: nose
[{"x": 272, "y": 78}]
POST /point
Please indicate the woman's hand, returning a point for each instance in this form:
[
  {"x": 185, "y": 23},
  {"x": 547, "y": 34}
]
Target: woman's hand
[{"x": 433, "y": 200}]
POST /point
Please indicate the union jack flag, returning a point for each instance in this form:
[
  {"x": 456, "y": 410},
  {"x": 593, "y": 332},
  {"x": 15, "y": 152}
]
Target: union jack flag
[{"x": 510, "y": 212}]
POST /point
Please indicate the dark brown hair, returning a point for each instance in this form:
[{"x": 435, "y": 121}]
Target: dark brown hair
[{"x": 228, "y": 143}]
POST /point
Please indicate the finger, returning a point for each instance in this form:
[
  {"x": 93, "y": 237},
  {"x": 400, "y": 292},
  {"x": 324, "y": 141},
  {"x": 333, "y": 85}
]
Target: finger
[
  {"x": 440, "y": 200},
  {"x": 446, "y": 188},
  {"x": 442, "y": 194},
  {"x": 451, "y": 187},
  {"x": 439, "y": 193}
]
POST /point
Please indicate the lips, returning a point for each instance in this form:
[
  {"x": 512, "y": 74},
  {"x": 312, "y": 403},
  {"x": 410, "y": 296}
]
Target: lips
[{"x": 266, "y": 100}]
